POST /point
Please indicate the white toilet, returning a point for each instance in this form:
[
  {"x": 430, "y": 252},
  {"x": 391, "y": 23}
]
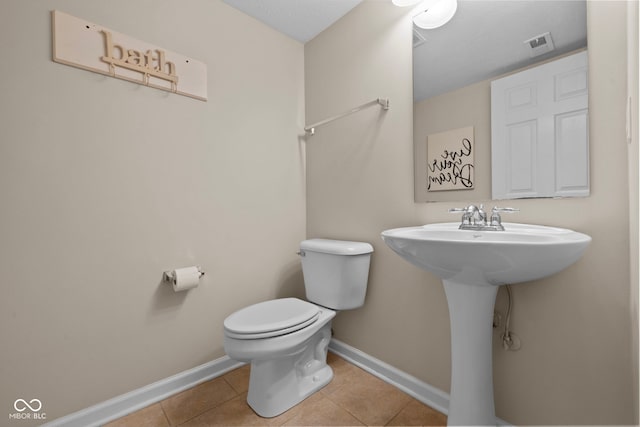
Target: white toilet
[{"x": 286, "y": 339}]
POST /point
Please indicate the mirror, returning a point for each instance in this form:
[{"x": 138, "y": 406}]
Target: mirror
[{"x": 453, "y": 67}]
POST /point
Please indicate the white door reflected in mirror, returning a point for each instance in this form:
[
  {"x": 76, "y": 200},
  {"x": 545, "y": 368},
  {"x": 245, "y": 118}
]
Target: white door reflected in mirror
[{"x": 540, "y": 131}]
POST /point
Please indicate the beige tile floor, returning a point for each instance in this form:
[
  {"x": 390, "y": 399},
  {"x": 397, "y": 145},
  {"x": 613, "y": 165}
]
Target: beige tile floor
[{"x": 353, "y": 398}]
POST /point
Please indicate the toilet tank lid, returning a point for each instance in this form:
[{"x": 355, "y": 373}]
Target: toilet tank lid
[{"x": 336, "y": 247}]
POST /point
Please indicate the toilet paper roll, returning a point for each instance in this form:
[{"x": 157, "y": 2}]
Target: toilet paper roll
[{"x": 186, "y": 278}]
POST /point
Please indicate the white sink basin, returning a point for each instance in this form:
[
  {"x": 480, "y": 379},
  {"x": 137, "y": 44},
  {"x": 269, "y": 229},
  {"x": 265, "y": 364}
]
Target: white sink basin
[
  {"x": 471, "y": 265},
  {"x": 521, "y": 253}
]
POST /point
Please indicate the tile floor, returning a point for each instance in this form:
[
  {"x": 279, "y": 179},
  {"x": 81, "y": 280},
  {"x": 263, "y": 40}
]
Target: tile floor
[{"x": 353, "y": 398}]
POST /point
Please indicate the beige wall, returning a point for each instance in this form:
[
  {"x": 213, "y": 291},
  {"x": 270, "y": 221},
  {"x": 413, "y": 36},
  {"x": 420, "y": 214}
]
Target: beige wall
[
  {"x": 633, "y": 91},
  {"x": 104, "y": 184},
  {"x": 575, "y": 365}
]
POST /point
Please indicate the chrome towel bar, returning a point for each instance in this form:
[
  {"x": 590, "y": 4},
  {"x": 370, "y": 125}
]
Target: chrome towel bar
[{"x": 384, "y": 102}]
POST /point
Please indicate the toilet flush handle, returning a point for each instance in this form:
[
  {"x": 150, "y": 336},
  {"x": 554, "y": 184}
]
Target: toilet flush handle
[{"x": 301, "y": 253}]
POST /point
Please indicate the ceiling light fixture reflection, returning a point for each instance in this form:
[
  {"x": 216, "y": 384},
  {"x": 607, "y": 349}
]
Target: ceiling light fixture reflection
[
  {"x": 403, "y": 3},
  {"x": 436, "y": 15},
  {"x": 431, "y": 13}
]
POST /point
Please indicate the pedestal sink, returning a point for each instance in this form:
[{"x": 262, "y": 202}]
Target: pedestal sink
[{"x": 472, "y": 264}]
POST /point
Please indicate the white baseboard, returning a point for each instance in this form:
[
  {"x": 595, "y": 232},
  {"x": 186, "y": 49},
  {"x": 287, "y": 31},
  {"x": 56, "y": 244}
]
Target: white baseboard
[
  {"x": 132, "y": 401},
  {"x": 425, "y": 393},
  {"x": 127, "y": 403}
]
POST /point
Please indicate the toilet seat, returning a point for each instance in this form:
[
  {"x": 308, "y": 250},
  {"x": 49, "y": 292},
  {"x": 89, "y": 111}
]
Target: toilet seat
[{"x": 271, "y": 318}]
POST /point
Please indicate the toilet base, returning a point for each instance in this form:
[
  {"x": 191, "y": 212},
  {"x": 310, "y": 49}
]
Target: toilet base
[{"x": 277, "y": 385}]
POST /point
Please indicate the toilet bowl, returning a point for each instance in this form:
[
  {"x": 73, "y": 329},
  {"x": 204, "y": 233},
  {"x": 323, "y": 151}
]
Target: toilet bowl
[
  {"x": 287, "y": 368},
  {"x": 286, "y": 340}
]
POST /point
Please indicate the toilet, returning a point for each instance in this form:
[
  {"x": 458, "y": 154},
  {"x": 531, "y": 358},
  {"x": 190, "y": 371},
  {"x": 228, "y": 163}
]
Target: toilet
[{"x": 286, "y": 339}]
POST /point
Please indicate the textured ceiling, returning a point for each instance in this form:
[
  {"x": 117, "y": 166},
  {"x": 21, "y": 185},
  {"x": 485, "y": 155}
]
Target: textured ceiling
[
  {"x": 484, "y": 39},
  {"x": 299, "y": 19}
]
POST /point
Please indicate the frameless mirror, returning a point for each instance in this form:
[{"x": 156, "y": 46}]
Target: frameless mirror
[{"x": 453, "y": 67}]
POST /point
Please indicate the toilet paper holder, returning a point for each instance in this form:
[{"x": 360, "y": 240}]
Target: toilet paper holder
[{"x": 170, "y": 277}]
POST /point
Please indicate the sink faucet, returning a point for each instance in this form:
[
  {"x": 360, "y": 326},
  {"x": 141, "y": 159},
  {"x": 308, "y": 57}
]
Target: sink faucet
[{"x": 475, "y": 218}]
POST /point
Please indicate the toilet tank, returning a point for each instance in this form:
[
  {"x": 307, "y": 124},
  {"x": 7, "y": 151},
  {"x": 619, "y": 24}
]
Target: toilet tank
[{"x": 335, "y": 272}]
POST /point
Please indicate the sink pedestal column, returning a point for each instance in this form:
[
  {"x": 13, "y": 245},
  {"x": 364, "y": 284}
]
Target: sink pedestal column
[{"x": 471, "y": 315}]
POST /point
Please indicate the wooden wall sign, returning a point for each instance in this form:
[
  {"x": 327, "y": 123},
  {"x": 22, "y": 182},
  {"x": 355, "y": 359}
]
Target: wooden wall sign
[
  {"x": 450, "y": 163},
  {"x": 91, "y": 47}
]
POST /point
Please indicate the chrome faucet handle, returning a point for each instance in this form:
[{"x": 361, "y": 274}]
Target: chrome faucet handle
[
  {"x": 470, "y": 208},
  {"x": 507, "y": 210},
  {"x": 468, "y": 213},
  {"x": 465, "y": 215},
  {"x": 496, "y": 220}
]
